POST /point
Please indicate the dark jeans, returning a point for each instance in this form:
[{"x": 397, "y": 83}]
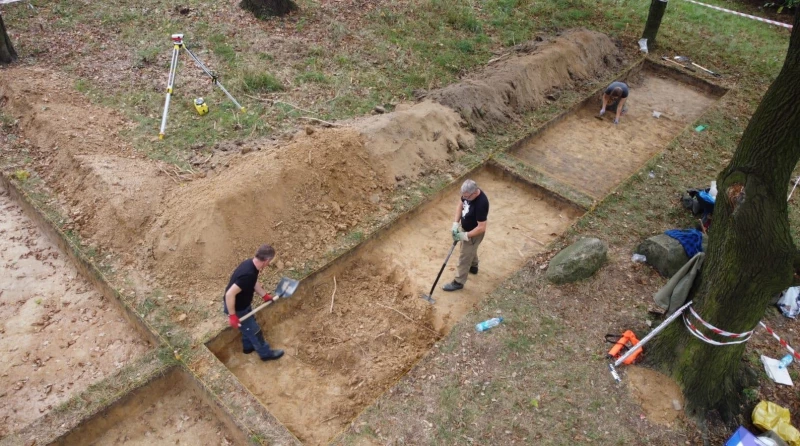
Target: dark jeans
[{"x": 252, "y": 339}]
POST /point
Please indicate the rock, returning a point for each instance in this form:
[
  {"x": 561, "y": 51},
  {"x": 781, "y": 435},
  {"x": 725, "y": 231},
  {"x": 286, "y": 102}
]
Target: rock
[
  {"x": 577, "y": 261},
  {"x": 465, "y": 143},
  {"x": 182, "y": 317},
  {"x": 375, "y": 198},
  {"x": 665, "y": 253},
  {"x": 246, "y": 150},
  {"x": 380, "y": 109},
  {"x": 309, "y": 130}
]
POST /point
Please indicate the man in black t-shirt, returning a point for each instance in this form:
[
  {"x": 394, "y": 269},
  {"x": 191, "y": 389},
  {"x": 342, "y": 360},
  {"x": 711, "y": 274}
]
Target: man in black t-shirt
[
  {"x": 472, "y": 211},
  {"x": 614, "y": 98},
  {"x": 239, "y": 295}
]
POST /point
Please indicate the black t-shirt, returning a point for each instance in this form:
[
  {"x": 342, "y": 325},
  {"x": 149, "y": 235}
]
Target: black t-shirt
[
  {"x": 245, "y": 276},
  {"x": 622, "y": 86},
  {"x": 474, "y": 211}
]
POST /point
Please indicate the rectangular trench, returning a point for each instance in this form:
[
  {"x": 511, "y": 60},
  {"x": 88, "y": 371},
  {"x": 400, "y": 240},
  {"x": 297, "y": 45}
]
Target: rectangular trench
[
  {"x": 61, "y": 332},
  {"x": 593, "y": 155},
  {"x": 338, "y": 362},
  {"x": 169, "y": 409}
]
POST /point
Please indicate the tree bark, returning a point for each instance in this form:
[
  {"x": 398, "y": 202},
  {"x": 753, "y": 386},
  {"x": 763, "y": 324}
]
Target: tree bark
[
  {"x": 751, "y": 255},
  {"x": 657, "y": 8},
  {"x": 7, "y": 53},
  {"x": 263, "y": 9}
]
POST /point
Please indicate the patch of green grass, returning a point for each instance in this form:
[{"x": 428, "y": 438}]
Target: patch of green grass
[
  {"x": 262, "y": 82},
  {"x": 312, "y": 77},
  {"x": 221, "y": 48}
]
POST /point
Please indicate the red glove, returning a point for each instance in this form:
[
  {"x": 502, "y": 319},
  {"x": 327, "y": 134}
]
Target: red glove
[
  {"x": 234, "y": 321},
  {"x": 267, "y": 297}
]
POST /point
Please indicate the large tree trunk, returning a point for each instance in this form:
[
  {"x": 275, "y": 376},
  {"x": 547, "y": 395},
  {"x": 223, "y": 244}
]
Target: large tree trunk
[
  {"x": 751, "y": 255},
  {"x": 657, "y": 8},
  {"x": 7, "y": 53},
  {"x": 268, "y": 8}
]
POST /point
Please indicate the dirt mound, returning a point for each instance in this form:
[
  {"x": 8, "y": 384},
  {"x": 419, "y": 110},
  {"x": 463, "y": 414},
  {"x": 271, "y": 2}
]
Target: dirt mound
[
  {"x": 298, "y": 198},
  {"x": 415, "y": 140},
  {"x": 111, "y": 191},
  {"x": 520, "y": 81},
  {"x": 661, "y": 399}
]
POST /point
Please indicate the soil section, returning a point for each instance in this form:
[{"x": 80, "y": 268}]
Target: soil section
[
  {"x": 660, "y": 397},
  {"x": 170, "y": 410},
  {"x": 339, "y": 362},
  {"x": 594, "y": 155},
  {"x": 59, "y": 334}
]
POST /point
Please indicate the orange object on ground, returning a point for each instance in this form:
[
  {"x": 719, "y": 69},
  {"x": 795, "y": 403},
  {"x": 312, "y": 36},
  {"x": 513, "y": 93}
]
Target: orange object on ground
[{"x": 623, "y": 343}]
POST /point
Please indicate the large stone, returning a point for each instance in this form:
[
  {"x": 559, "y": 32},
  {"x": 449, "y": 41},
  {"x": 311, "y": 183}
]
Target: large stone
[
  {"x": 577, "y": 261},
  {"x": 665, "y": 253}
]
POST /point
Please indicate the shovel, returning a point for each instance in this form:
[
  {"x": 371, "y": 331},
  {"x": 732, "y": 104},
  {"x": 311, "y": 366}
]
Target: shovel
[
  {"x": 686, "y": 59},
  {"x": 665, "y": 58},
  {"x": 286, "y": 287},
  {"x": 428, "y": 296}
]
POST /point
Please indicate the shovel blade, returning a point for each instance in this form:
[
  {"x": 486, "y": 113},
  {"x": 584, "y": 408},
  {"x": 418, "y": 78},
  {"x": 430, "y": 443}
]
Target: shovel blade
[
  {"x": 428, "y": 298},
  {"x": 286, "y": 287}
]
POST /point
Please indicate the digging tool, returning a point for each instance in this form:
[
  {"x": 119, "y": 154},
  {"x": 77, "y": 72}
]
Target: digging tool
[
  {"x": 687, "y": 60},
  {"x": 428, "y": 296},
  {"x": 676, "y": 63},
  {"x": 286, "y": 287},
  {"x": 632, "y": 351}
]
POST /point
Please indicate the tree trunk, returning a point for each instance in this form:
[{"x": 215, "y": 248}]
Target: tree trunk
[
  {"x": 7, "y": 53},
  {"x": 269, "y": 8},
  {"x": 751, "y": 255},
  {"x": 657, "y": 8}
]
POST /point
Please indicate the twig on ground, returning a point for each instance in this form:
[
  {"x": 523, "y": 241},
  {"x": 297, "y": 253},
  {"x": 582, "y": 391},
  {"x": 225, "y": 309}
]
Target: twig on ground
[
  {"x": 329, "y": 419},
  {"x": 406, "y": 316},
  {"x": 168, "y": 174},
  {"x": 277, "y": 224},
  {"x": 320, "y": 121},
  {"x": 334, "y": 293}
]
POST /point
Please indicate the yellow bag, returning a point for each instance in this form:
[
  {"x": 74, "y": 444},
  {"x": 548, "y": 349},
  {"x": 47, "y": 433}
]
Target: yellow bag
[{"x": 772, "y": 417}]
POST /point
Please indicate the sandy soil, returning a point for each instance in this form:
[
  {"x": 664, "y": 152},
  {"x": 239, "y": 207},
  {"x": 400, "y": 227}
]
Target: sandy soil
[
  {"x": 169, "y": 411},
  {"x": 656, "y": 393},
  {"x": 59, "y": 335},
  {"x": 595, "y": 156},
  {"x": 340, "y": 362}
]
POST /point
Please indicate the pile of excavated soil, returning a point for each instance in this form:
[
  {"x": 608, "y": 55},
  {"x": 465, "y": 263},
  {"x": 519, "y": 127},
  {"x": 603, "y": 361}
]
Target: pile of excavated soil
[
  {"x": 111, "y": 191},
  {"x": 415, "y": 140},
  {"x": 337, "y": 363},
  {"x": 660, "y": 397},
  {"x": 297, "y": 198},
  {"x": 58, "y": 335},
  {"x": 521, "y": 81}
]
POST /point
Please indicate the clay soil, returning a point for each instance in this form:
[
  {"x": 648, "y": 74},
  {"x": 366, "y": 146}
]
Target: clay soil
[
  {"x": 59, "y": 334},
  {"x": 660, "y": 397},
  {"x": 595, "y": 155},
  {"x": 341, "y": 362},
  {"x": 170, "y": 410}
]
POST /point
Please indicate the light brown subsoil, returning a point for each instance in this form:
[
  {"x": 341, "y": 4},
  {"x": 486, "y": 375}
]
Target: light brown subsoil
[
  {"x": 168, "y": 411},
  {"x": 521, "y": 80},
  {"x": 656, "y": 393},
  {"x": 339, "y": 363},
  {"x": 595, "y": 155},
  {"x": 59, "y": 335}
]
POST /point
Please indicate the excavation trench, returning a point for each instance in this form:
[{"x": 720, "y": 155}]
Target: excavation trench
[
  {"x": 593, "y": 155},
  {"x": 170, "y": 409},
  {"x": 338, "y": 362},
  {"x": 60, "y": 333}
]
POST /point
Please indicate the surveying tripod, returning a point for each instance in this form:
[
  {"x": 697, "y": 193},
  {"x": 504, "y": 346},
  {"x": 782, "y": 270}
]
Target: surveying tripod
[{"x": 177, "y": 44}]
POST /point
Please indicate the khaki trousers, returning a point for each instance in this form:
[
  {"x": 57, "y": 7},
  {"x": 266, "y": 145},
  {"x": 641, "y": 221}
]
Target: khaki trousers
[{"x": 468, "y": 258}]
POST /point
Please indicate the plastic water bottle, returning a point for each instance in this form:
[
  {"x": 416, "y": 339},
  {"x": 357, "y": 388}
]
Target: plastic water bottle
[
  {"x": 638, "y": 258},
  {"x": 713, "y": 190},
  {"x": 485, "y": 325},
  {"x": 786, "y": 360}
]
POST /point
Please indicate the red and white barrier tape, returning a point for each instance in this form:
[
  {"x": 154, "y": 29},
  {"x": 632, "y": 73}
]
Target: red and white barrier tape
[
  {"x": 783, "y": 343},
  {"x": 772, "y": 22},
  {"x": 694, "y": 331},
  {"x": 717, "y": 330}
]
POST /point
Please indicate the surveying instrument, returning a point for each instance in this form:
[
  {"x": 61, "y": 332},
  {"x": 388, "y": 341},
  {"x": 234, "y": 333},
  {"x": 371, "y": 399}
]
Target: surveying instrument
[{"x": 199, "y": 103}]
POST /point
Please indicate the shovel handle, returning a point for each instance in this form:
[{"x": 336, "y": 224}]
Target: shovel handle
[{"x": 258, "y": 308}]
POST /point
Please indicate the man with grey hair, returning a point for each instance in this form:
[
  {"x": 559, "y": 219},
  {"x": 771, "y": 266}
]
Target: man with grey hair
[
  {"x": 239, "y": 296},
  {"x": 471, "y": 214}
]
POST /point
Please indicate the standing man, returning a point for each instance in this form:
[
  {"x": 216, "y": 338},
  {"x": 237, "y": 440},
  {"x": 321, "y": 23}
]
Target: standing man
[
  {"x": 614, "y": 98},
  {"x": 471, "y": 212},
  {"x": 239, "y": 296}
]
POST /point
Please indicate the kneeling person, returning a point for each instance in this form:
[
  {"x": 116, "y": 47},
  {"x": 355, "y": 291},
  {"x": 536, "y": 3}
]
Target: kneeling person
[{"x": 239, "y": 296}]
